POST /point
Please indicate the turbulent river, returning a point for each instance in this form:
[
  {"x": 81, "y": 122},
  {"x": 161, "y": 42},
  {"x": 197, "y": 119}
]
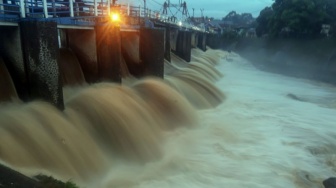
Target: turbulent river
[{"x": 267, "y": 130}]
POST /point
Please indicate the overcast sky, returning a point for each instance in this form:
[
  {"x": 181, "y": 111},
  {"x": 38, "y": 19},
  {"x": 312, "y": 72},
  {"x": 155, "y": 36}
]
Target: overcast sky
[{"x": 212, "y": 8}]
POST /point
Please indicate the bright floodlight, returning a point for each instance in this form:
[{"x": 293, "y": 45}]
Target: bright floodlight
[
  {"x": 180, "y": 23},
  {"x": 115, "y": 17}
]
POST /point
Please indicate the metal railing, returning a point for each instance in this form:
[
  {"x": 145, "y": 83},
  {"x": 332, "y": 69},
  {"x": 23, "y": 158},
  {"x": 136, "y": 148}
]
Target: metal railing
[
  {"x": 10, "y": 8},
  {"x": 53, "y": 8},
  {"x": 70, "y": 8},
  {"x": 82, "y": 10},
  {"x": 67, "y": 8}
]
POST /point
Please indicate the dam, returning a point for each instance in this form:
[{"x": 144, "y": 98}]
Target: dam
[
  {"x": 153, "y": 106},
  {"x": 99, "y": 41}
]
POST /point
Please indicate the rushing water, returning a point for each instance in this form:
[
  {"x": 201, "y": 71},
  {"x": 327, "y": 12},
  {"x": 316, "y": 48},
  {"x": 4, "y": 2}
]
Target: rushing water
[
  {"x": 267, "y": 130},
  {"x": 259, "y": 137}
]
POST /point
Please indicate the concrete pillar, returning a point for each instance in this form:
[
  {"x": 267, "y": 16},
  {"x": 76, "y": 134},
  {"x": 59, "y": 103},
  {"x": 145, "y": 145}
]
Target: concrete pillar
[
  {"x": 40, "y": 54},
  {"x": 202, "y": 41},
  {"x": 108, "y": 52},
  {"x": 167, "y": 45},
  {"x": 183, "y": 45},
  {"x": 152, "y": 45}
]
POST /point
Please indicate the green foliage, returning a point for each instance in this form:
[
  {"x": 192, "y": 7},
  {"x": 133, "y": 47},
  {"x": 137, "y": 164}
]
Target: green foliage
[
  {"x": 244, "y": 19},
  {"x": 296, "y": 17},
  {"x": 50, "y": 182},
  {"x": 262, "y": 21},
  {"x": 230, "y": 34}
]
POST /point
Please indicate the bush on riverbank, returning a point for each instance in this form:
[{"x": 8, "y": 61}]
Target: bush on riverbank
[{"x": 50, "y": 182}]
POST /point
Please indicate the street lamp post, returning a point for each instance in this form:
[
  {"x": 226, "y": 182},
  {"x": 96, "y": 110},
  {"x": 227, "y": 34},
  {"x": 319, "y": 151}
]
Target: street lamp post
[{"x": 145, "y": 7}]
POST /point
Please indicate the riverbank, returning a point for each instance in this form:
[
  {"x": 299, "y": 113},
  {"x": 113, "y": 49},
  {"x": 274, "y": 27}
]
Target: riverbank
[{"x": 312, "y": 59}]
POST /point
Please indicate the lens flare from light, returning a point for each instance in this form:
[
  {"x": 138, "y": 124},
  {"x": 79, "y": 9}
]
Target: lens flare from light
[{"x": 115, "y": 17}]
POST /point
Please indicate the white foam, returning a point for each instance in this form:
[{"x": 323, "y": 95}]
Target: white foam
[{"x": 257, "y": 138}]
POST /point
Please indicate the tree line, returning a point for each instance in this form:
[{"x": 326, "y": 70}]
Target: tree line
[{"x": 297, "y": 18}]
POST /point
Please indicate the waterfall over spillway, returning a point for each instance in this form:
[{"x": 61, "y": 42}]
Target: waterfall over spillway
[{"x": 210, "y": 123}]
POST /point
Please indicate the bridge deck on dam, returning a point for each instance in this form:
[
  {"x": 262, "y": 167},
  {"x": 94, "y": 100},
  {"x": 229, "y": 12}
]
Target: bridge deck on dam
[{"x": 84, "y": 14}]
